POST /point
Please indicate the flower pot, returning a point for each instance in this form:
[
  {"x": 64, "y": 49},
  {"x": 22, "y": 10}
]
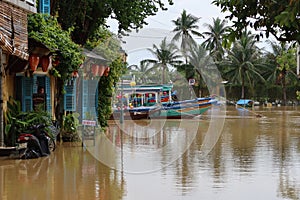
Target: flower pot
[
  {"x": 33, "y": 61},
  {"x": 101, "y": 69},
  {"x": 45, "y": 63}
]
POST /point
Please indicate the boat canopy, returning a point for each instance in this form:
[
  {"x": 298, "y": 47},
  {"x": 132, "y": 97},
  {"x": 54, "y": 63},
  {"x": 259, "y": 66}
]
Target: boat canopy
[{"x": 244, "y": 102}]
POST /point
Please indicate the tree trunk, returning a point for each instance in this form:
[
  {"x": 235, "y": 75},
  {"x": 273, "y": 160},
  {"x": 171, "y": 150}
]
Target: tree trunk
[
  {"x": 283, "y": 90},
  {"x": 243, "y": 87},
  {"x": 163, "y": 74}
]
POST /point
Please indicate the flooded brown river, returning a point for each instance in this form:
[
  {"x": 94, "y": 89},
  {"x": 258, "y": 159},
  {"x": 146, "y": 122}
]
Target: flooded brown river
[{"x": 253, "y": 158}]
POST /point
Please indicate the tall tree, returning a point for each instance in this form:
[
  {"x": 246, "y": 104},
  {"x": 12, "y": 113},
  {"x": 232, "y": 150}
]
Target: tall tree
[
  {"x": 215, "y": 39},
  {"x": 85, "y": 16},
  {"x": 166, "y": 54},
  {"x": 282, "y": 66},
  {"x": 140, "y": 71},
  {"x": 185, "y": 27},
  {"x": 279, "y": 18},
  {"x": 244, "y": 64}
]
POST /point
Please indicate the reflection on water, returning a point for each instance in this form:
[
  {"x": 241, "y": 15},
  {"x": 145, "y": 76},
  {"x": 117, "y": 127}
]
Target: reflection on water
[{"x": 255, "y": 158}]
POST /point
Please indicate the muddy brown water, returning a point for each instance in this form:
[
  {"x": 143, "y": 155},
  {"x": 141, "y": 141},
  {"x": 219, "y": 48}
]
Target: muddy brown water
[{"x": 254, "y": 158}]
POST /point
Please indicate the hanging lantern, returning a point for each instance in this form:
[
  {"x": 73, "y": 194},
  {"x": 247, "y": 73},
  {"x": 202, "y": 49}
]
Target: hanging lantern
[
  {"x": 95, "y": 69},
  {"x": 75, "y": 74},
  {"x": 33, "y": 61},
  {"x": 45, "y": 63},
  {"x": 106, "y": 71},
  {"x": 101, "y": 69}
]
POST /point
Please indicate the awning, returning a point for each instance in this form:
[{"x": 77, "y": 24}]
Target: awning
[
  {"x": 6, "y": 45},
  {"x": 93, "y": 55}
]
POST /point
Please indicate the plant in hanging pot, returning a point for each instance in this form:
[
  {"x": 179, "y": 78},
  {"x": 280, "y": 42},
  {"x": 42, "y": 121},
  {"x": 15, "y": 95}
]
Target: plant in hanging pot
[
  {"x": 33, "y": 61},
  {"x": 44, "y": 61}
]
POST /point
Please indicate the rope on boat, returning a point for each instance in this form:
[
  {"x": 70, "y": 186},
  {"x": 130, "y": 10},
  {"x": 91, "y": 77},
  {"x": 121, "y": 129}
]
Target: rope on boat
[{"x": 258, "y": 115}]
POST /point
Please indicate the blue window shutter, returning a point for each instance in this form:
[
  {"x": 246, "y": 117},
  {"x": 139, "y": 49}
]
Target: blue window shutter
[
  {"x": 89, "y": 98},
  {"x": 48, "y": 94},
  {"x": 85, "y": 98},
  {"x": 92, "y": 97},
  {"x": 44, "y": 6},
  {"x": 70, "y": 96},
  {"x": 26, "y": 93}
]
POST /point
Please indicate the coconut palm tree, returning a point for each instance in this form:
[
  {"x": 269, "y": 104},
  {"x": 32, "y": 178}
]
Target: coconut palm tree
[
  {"x": 140, "y": 71},
  {"x": 204, "y": 66},
  {"x": 215, "y": 39},
  {"x": 185, "y": 27},
  {"x": 282, "y": 66},
  {"x": 243, "y": 63},
  {"x": 166, "y": 54}
]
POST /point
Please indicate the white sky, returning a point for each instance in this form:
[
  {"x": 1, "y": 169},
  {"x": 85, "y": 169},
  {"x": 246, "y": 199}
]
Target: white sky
[{"x": 160, "y": 25}]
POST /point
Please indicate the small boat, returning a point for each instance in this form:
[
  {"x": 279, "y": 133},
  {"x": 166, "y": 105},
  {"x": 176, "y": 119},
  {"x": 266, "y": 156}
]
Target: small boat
[
  {"x": 245, "y": 103},
  {"x": 183, "y": 110},
  {"x": 137, "y": 102},
  {"x": 156, "y": 102}
]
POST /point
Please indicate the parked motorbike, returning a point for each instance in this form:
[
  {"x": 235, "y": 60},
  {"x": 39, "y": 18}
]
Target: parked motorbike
[{"x": 35, "y": 144}]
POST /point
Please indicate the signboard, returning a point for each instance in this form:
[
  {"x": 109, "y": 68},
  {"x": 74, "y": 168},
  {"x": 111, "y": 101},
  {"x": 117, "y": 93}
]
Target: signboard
[{"x": 89, "y": 122}]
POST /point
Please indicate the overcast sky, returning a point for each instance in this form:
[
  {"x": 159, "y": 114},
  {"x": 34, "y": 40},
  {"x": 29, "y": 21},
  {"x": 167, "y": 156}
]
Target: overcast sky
[{"x": 160, "y": 25}]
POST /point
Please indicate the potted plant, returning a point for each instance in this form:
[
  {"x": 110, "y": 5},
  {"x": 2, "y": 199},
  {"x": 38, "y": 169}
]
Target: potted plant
[{"x": 69, "y": 127}]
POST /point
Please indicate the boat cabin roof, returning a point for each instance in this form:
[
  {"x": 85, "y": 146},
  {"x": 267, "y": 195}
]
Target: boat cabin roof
[
  {"x": 244, "y": 101},
  {"x": 146, "y": 88}
]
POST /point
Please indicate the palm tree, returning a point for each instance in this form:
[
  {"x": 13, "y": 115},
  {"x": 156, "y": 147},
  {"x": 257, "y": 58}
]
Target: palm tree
[
  {"x": 244, "y": 64},
  {"x": 203, "y": 65},
  {"x": 215, "y": 38},
  {"x": 140, "y": 72},
  {"x": 166, "y": 54},
  {"x": 185, "y": 27},
  {"x": 282, "y": 64}
]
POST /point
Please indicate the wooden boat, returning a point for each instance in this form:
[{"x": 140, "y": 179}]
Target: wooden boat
[
  {"x": 137, "y": 102},
  {"x": 144, "y": 102},
  {"x": 183, "y": 110}
]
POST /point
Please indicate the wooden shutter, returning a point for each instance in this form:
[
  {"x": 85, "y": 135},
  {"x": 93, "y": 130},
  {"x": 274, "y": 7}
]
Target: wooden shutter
[{"x": 44, "y": 6}]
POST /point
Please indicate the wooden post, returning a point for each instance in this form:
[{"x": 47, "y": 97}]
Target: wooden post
[{"x": 1, "y": 101}]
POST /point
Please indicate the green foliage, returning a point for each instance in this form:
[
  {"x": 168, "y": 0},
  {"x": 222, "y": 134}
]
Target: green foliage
[
  {"x": 45, "y": 29},
  {"x": 70, "y": 123},
  {"x": 298, "y": 95},
  {"x": 107, "y": 85},
  {"x": 287, "y": 60},
  {"x": 279, "y": 18},
  {"x": 17, "y": 121},
  {"x": 104, "y": 43},
  {"x": 87, "y": 15}
]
